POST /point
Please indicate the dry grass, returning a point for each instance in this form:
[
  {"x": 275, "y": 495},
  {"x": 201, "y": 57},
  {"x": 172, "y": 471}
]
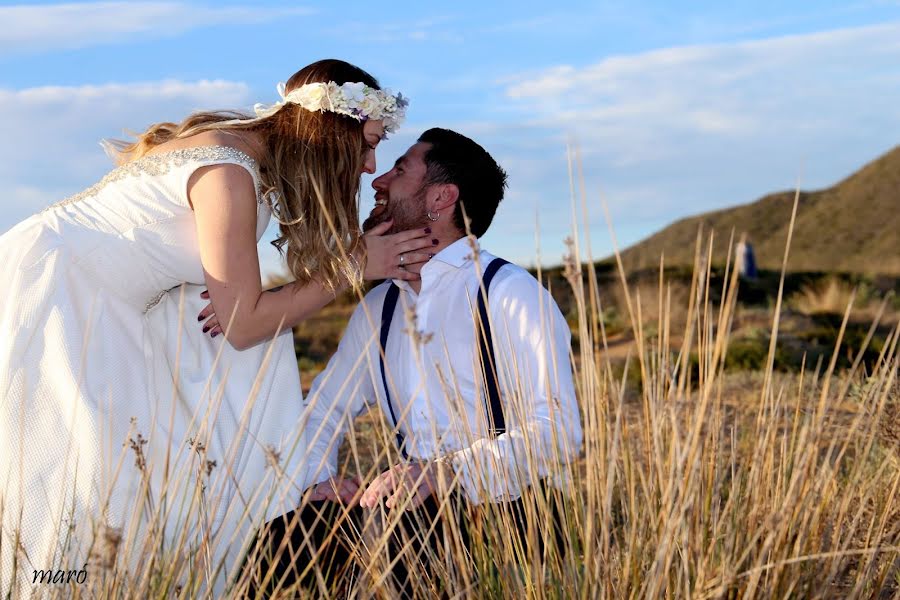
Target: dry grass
[
  {"x": 830, "y": 296},
  {"x": 833, "y": 295},
  {"x": 703, "y": 485}
]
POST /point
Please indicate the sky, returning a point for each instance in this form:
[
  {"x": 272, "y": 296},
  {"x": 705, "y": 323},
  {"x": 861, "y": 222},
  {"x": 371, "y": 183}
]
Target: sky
[{"x": 673, "y": 108}]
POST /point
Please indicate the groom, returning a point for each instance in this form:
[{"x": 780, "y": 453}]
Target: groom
[{"x": 416, "y": 349}]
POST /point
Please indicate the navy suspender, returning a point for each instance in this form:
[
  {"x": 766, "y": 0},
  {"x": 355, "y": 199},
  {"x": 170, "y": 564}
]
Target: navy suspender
[
  {"x": 387, "y": 315},
  {"x": 496, "y": 421},
  {"x": 495, "y": 409}
]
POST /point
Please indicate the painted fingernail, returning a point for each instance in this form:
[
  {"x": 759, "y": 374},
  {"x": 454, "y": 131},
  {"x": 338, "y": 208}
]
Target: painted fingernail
[
  {"x": 430, "y": 255},
  {"x": 434, "y": 242},
  {"x": 215, "y": 334},
  {"x": 200, "y": 318},
  {"x": 428, "y": 230},
  {"x": 205, "y": 329}
]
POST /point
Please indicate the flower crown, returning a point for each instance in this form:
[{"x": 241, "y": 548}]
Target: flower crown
[{"x": 354, "y": 99}]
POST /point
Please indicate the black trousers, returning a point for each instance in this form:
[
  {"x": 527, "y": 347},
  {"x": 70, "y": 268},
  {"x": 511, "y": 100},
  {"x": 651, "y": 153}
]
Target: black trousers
[{"x": 317, "y": 547}]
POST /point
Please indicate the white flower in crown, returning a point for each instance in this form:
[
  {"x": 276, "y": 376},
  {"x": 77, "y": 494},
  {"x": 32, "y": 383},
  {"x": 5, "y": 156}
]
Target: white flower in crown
[
  {"x": 311, "y": 97},
  {"x": 394, "y": 110},
  {"x": 390, "y": 101},
  {"x": 370, "y": 106},
  {"x": 354, "y": 93},
  {"x": 336, "y": 100},
  {"x": 354, "y": 99}
]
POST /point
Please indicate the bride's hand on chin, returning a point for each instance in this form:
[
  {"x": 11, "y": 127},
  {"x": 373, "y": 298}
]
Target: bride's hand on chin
[{"x": 398, "y": 255}]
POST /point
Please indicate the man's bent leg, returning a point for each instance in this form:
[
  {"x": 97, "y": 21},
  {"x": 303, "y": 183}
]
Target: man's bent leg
[
  {"x": 429, "y": 536},
  {"x": 309, "y": 547},
  {"x": 523, "y": 524},
  {"x": 422, "y": 541}
]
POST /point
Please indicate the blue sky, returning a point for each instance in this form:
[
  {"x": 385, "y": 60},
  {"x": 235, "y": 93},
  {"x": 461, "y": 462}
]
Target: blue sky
[{"x": 676, "y": 108}]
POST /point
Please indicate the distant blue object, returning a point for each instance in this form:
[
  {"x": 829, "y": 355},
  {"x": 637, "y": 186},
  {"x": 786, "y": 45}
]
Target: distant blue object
[{"x": 746, "y": 262}]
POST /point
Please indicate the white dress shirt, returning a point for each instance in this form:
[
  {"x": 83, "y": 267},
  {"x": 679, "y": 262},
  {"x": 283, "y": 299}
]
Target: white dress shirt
[{"x": 436, "y": 383}]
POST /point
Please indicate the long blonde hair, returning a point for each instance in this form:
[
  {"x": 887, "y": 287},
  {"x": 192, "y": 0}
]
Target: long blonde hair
[{"x": 310, "y": 173}]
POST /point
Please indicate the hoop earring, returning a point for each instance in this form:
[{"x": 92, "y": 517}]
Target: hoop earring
[{"x": 430, "y": 218}]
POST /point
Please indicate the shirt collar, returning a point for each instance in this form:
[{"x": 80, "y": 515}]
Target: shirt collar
[{"x": 457, "y": 255}]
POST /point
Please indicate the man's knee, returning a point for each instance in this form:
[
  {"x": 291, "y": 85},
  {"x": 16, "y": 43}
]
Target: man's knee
[{"x": 299, "y": 545}]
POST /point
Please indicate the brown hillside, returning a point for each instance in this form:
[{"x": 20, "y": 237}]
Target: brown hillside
[{"x": 850, "y": 227}]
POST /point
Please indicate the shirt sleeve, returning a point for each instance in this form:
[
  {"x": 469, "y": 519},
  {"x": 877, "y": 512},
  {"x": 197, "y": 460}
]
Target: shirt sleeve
[
  {"x": 340, "y": 393},
  {"x": 544, "y": 435}
]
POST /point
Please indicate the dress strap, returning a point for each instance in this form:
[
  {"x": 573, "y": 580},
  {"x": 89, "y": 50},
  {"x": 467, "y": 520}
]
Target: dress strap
[{"x": 204, "y": 156}]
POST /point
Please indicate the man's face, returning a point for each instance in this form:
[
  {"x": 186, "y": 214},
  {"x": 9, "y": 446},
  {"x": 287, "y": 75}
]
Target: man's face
[{"x": 400, "y": 193}]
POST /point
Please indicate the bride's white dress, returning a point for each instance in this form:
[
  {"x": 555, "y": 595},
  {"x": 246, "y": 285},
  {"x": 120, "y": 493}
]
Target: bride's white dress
[{"x": 116, "y": 411}]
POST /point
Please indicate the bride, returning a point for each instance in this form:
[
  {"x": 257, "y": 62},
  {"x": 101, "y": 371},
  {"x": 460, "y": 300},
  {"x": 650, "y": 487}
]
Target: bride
[{"x": 125, "y": 430}]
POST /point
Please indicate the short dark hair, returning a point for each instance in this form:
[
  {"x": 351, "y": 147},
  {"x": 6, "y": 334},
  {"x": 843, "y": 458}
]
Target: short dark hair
[{"x": 454, "y": 158}]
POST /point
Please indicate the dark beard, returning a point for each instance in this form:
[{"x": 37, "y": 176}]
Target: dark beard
[
  {"x": 407, "y": 213},
  {"x": 374, "y": 220}
]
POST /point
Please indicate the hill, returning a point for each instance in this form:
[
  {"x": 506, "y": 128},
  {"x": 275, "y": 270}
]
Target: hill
[{"x": 850, "y": 227}]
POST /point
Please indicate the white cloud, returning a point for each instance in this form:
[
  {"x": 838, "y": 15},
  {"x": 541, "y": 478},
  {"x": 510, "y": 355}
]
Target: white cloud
[
  {"x": 707, "y": 112},
  {"x": 678, "y": 131},
  {"x": 722, "y": 89},
  {"x": 50, "y": 144},
  {"x": 423, "y": 30},
  {"x": 50, "y": 147},
  {"x": 41, "y": 28}
]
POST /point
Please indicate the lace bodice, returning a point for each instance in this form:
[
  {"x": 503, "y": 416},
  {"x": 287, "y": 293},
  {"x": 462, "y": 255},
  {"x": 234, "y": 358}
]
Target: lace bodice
[{"x": 160, "y": 164}]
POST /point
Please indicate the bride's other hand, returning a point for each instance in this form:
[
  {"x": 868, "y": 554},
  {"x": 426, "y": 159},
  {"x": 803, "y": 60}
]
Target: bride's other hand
[
  {"x": 208, "y": 314},
  {"x": 398, "y": 255}
]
